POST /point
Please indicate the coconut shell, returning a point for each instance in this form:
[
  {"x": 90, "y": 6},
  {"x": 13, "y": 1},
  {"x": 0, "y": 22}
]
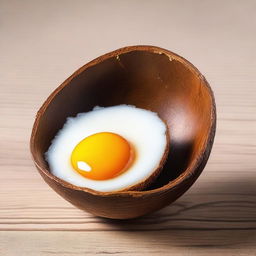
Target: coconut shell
[{"x": 148, "y": 77}]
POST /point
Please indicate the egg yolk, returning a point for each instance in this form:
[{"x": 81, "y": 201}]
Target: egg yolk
[{"x": 102, "y": 156}]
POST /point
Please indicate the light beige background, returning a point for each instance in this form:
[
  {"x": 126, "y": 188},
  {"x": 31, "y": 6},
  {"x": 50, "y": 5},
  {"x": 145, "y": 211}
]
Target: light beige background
[{"x": 43, "y": 42}]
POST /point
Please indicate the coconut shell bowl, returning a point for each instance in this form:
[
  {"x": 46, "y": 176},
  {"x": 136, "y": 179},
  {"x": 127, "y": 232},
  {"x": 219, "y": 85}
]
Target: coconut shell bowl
[{"x": 147, "y": 77}]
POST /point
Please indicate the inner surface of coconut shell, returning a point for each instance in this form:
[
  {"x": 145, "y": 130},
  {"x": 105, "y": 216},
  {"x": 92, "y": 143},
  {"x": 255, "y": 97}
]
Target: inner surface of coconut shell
[{"x": 149, "y": 78}]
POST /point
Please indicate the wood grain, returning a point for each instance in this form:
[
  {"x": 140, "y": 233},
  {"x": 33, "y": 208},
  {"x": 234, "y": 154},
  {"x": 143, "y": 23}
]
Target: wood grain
[{"x": 43, "y": 42}]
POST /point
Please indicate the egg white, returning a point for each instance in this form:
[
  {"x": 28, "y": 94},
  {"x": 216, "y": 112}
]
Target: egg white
[{"x": 142, "y": 128}]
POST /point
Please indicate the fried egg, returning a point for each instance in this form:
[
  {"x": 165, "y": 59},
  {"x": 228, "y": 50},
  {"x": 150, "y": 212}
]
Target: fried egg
[{"x": 109, "y": 149}]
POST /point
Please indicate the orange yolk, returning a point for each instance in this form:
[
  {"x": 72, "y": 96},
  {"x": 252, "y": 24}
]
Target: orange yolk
[{"x": 102, "y": 156}]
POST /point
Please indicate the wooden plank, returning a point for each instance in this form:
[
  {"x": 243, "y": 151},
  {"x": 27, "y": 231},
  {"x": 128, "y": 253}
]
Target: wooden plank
[
  {"x": 208, "y": 206},
  {"x": 170, "y": 242}
]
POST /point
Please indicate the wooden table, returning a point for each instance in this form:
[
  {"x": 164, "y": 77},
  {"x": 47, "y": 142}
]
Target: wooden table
[{"x": 43, "y": 42}]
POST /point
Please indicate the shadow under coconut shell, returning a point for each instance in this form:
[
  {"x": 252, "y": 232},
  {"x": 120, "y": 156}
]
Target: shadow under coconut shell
[{"x": 222, "y": 214}]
